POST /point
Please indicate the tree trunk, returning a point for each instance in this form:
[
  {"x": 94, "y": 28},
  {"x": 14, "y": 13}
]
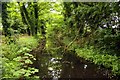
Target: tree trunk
[
  {"x": 36, "y": 17},
  {"x": 4, "y": 19}
]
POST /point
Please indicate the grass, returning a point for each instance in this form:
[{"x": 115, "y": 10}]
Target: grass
[{"x": 29, "y": 41}]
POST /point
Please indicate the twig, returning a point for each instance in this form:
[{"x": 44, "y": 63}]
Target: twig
[{"x": 72, "y": 40}]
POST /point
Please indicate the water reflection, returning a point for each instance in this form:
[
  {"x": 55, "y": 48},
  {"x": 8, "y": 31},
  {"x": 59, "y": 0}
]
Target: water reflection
[
  {"x": 85, "y": 66},
  {"x": 54, "y": 67},
  {"x": 67, "y": 66}
]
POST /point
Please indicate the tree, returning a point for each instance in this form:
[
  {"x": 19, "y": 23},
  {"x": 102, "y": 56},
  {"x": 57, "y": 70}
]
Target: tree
[
  {"x": 5, "y": 22},
  {"x": 36, "y": 17}
]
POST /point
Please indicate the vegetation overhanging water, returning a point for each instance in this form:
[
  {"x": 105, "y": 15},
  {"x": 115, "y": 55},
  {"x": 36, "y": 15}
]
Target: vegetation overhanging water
[{"x": 60, "y": 40}]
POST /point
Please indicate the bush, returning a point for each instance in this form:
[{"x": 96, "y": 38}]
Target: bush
[
  {"x": 107, "y": 42},
  {"x": 108, "y": 61},
  {"x": 16, "y": 58}
]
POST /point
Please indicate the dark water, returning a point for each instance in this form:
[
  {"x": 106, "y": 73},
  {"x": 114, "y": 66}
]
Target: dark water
[{"x": 68, "y": 67}]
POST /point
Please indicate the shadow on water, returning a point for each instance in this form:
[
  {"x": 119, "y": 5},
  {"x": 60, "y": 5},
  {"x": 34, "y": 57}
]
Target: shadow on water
[{"x": 67, "y": 67}]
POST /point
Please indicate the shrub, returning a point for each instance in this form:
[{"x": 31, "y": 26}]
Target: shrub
[
  {"x": 16, "y": 58},
  {"x": 106, "y": 60}
]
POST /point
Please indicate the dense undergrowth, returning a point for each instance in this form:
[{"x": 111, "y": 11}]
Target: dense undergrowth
[
  {"x": 106, "y": 60},
  {"x": 101, "y": 48},
  {"x": 16, "y": 58},
  {"x": 102, "y": 53}
]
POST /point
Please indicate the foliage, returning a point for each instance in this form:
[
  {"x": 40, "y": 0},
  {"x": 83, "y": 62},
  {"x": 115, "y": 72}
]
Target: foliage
[
  {"x": 99, "y": 28},
  {"x": 107, "y": 41},
  {"x": 16, "y": 58},
  {"x": 89, "y": 15},
  {"x": 108, "y": 61},
  {"x": 64, "y": 26},
  {"x": 54, "y": 28}
]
